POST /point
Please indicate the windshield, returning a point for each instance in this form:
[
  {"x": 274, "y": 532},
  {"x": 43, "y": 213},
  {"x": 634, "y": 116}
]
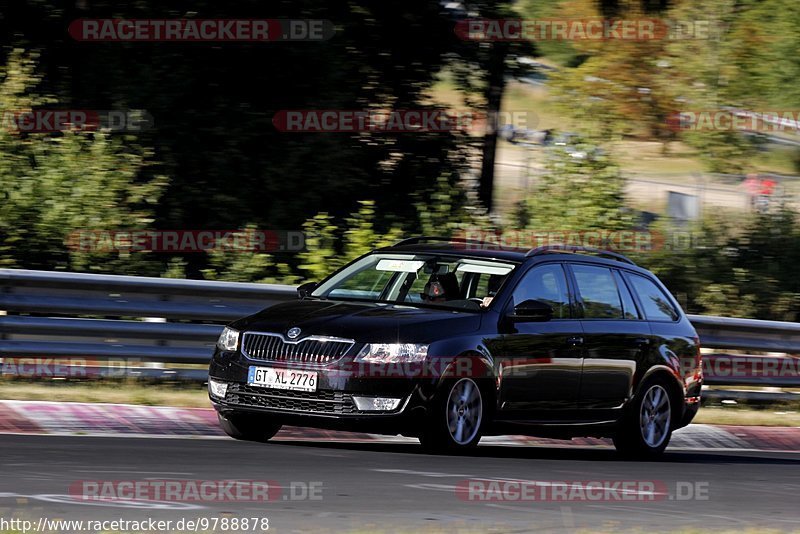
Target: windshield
[{"x": 418, "y": 279}]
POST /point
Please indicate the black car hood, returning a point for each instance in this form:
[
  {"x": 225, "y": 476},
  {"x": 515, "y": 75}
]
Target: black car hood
[{"x": 361, "y": 321}]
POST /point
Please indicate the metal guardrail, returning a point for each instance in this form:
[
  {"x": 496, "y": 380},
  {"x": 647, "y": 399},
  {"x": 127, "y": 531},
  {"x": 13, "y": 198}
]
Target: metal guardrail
[
  {"x": 100, "y": 318},
  {"x": 122, "y": 317},
  {"x": 747, "y": 334}
]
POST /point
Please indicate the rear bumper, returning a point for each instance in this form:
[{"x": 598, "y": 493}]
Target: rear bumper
[{"x": 691, "y": 405}]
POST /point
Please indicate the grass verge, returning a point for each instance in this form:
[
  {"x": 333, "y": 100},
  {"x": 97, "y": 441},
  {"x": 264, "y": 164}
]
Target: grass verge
[
  {"x": 749, "y": 416},
  {"x": 193, "y": 396}
]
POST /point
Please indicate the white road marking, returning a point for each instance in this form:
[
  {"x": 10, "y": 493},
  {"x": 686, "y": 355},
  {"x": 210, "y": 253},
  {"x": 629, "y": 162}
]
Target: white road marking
[
  {"x": 117, "y": 503},
  {"x": 432, "y": 474},
  {"x": 134, "y": 471}
]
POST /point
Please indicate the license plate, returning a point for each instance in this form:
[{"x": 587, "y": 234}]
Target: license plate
[{"x": 269, "y": 377}]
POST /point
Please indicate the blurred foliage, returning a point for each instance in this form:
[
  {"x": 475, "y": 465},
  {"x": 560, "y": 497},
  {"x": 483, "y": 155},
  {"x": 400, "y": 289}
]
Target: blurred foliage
[
  {"x": 760, "y": 64},
  {"x": 581, "y": 189},
  {"x": 617, "y": 88},
  {"x": 213, "y": 159},
  {"x": 696, "y": 74},
  {"x": 561, "y": 51},
  {"x": 240, "y": 265},
  {"x": 727, "y": 266},
  {"x": 739, "y": 54},
  {"x": 331, "y": 246},
  {"x": 212, "y": 107},
  {"x": 444, "y": 209},
  {"x": 58, "y": 190}
]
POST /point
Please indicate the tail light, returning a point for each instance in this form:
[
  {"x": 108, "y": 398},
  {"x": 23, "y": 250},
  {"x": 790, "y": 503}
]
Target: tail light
[{"x": 698, "y": 359}]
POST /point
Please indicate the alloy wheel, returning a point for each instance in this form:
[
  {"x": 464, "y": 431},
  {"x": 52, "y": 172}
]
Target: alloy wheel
[
  {"x": 654, "y": 416},
  {"x": 464, "y": 411}
]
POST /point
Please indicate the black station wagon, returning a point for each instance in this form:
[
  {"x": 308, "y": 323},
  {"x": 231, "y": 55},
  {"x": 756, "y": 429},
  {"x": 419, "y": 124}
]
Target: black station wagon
[{"x": 449, "y": 340}]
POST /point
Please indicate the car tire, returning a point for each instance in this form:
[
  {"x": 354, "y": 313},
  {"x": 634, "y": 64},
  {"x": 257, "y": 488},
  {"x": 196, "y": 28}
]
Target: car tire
[
  {"x": 647, "y": 426},
  {"x": 456, "y": 418},
  {"x": 248, "y": 427}
]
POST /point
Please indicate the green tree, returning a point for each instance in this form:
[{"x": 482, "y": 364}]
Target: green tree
[
  {"x": 61, "y": 189},
  {"x": 634, "y": 88},
  {"x": 613, "y": 89},
  {"x": 727, "y": 266},
  {"x": 760, "y": 64},
  {"x": 213, "y": 105},
  {"x": 331, "y": 245},
  {"x": 578, "y": 193}
]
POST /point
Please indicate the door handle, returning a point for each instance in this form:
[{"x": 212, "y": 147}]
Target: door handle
[
  {"x": 641, "y": 341},
  {"x": 574, "y": 341}
]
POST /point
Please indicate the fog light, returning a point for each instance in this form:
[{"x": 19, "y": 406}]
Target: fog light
[
  {"x": 376, "y": 404},
  {"x": 217, "y": 389}
]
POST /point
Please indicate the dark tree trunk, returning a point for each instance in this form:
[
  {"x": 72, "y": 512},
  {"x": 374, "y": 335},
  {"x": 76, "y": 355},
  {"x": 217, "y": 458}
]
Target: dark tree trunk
[{"x": 494, "y": 97}]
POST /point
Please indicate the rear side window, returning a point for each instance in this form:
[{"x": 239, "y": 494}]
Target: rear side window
[
  {"x": 598, "y": 291},
  {"x": 657, "y": 306},
  {"x": 628, "y": 306}
]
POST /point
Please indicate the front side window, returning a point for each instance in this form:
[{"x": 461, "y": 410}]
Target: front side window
[
  {"x": 598, "y": 291},
  {"x": 548, "y": 284},
  {"x": 443, "y": 280}
]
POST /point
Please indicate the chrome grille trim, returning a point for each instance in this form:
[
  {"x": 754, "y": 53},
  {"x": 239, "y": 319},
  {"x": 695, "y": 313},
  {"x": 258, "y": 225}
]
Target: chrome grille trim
[{"x": 313, "y": 350}]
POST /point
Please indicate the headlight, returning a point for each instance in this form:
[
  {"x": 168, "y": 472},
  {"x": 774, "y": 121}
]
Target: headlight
[
  {"x": 392, "y": 353},
  {"x": 228, "y": 339}
]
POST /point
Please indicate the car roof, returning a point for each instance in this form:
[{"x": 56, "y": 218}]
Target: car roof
[
  {"x": 467, "y": 250},
  {"x": 492, "y": 251}
]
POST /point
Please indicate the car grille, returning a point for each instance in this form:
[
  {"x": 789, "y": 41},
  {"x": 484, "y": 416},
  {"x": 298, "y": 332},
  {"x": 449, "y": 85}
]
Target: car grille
[
  {"x": 324, "y": 402},
  {"x": 314, "y": 349}
]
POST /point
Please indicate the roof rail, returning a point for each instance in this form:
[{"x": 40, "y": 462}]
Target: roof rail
[
  {"x": 576, "y": 249},
  {"x": 433, "y": 239}
]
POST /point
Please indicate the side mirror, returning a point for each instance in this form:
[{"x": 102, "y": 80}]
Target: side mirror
[
  {"x": 532, "y": 311},
  {"x": 304, "y": 290}
]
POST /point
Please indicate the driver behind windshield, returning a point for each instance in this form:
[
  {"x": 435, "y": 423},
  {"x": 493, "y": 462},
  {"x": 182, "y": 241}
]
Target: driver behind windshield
[{"x": 440, "y": 288}]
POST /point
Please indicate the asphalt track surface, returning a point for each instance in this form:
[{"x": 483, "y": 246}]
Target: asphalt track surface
[{"x": 395, "y": 487}]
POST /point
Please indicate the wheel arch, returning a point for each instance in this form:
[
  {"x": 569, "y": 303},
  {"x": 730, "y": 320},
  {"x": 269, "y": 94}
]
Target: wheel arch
[
  {"x": 674, "y": 384},
  {"x": 475, "y": 363}
]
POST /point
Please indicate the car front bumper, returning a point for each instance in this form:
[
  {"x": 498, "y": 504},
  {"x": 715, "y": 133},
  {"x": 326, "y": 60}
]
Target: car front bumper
[{"x": 333, "y": 403}]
